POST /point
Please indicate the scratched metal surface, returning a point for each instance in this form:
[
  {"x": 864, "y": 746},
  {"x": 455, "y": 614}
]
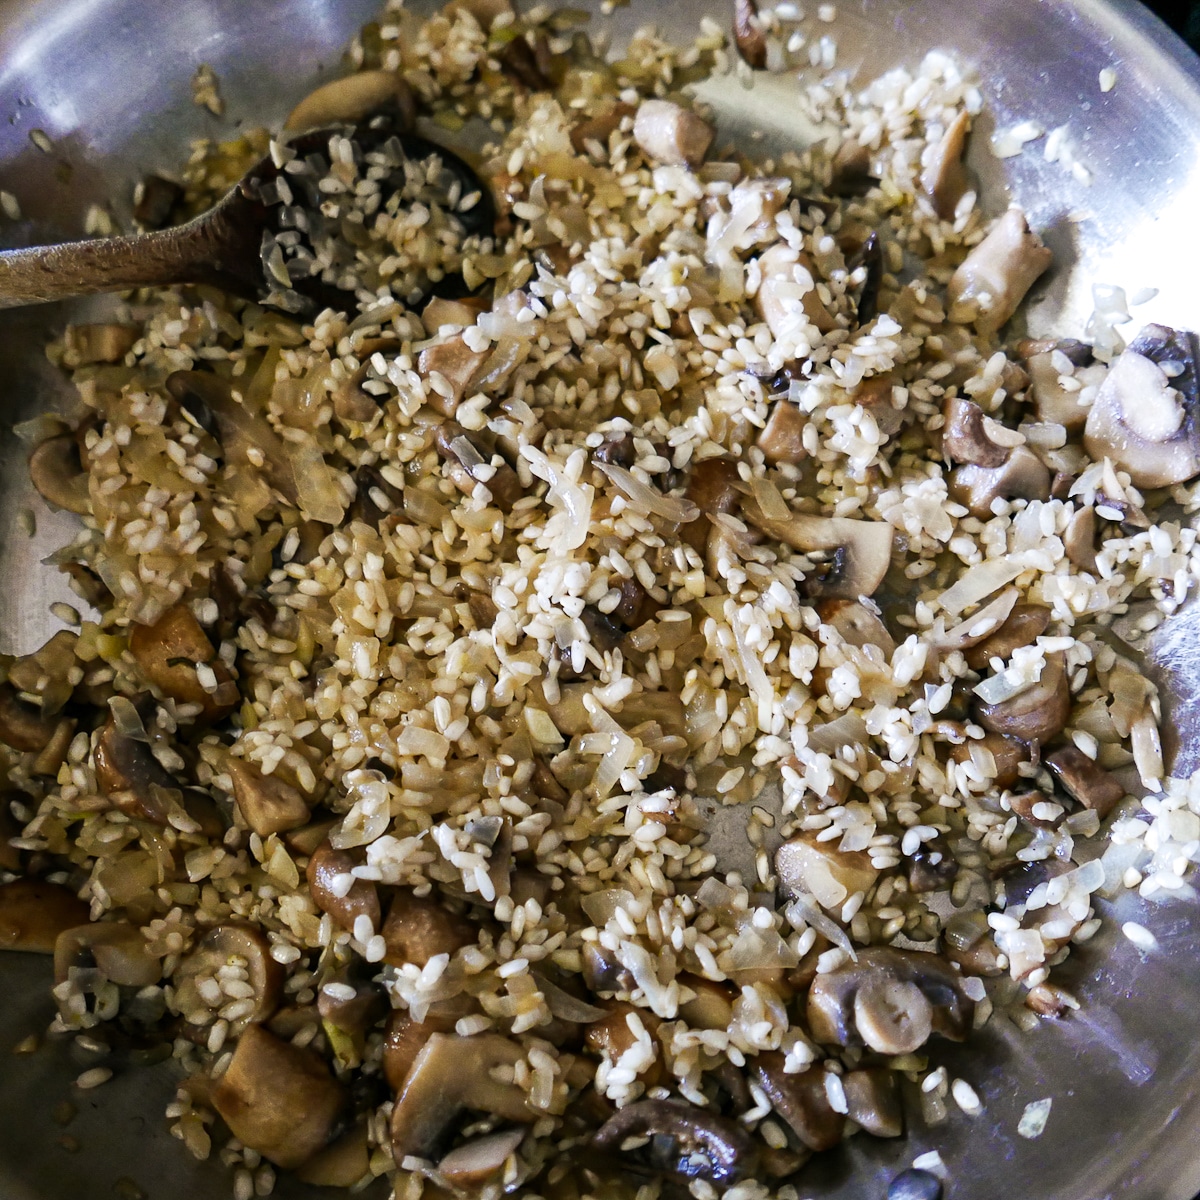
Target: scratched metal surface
[{"x": 108, "y": 80}]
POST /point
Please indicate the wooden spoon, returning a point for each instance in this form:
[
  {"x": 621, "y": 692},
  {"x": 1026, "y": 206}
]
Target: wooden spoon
[{"x": 223, "y": 246}]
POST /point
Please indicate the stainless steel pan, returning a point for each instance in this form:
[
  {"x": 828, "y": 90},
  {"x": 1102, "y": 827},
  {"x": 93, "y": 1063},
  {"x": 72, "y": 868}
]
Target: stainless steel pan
[{"x": 108, "y": 81}]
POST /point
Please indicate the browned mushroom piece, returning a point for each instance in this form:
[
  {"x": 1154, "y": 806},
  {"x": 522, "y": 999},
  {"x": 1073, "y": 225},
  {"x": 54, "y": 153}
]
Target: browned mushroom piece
[
  {"x": 1022, "y": 627},
  {"x": 670, "y": 134},
  {"x": 875, "y": 396},
  {"x": 169, "y": 653},
  {"x": 1054, "y": 403},
  {"x": 890, "y": 1001},
  {"x": 450, "y": 1075},
  {"x": 278, "y": 1099},
  {"x": 858, "y": 624},
  {"x": 1029, "y": 807},
  {"x": 33, "y": 913},
  {"x": 351, "y": 401},
  {"x": 419, "y": 927},
  {"x": 681, "y": 1141},
  {"x": 873, "y": 1101},
  {"x": 116, "y": 948},
  {"x": 344, "y": 899},
  {"x": 967, "y": 435},
  {"x": 967, "y": 940},
  {"x": 1007, "y": 756},
  {"x": 712, "y": 1005},
  {"x": 10, "y": 855},
  {"x": 267, "y": 804},
  {"x": 230, "y": 945},
  {"x": 343, "y": 1163},
  {"x": 1145, "y": 420},
  {"x": 469, "y": 464},
  {"x": 603, "y": 972},
  {"x": 405, "y": 1038},
  {"x": 454, "y": 364},
  {"x": 851, "y": 170},
  {"x": 945, "y": 180},
  {"x": 1085, "y": 781},
  {"x": 107, "y": 342},
  {"x": 931, "y": 867},
  {"x": 782, "y": 438},
  {"x": 714, "y": 487},
  {"x": 128, "y": 773},
  {"x": 612, "y": 1036},
  {"x": 1037, "y": 713},
  {"x": 24, "y": 726},
  {"x": 351, "y": 1006},
  {"x": 58, "y": 475},
  {"x": 863, "y": 549},
  {"x": 343, "y": 101},
  {"x": 748, "y": 35},
  {"x": 1022, "y": 476},
  {"x": 475, "y": 1162},
  {"x": 800, "y": 1099},
  {"x": 787, "y": 297},
  {"x": 994, "y": 278},
  {"x": 807, "y": 866},
  {"x": 1079, "y": 539},
  {"x": 46, "y": 673}
]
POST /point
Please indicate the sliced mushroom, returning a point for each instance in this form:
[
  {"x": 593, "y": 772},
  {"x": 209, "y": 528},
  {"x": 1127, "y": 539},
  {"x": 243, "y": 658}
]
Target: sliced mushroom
[
  {"x": 221, "y": 946},
  {"x": 851, "y": 170},
  {"x": 1053, "y": 402},
  {"x": 787, "y": 297},
  {"x": 807, "y": 866},
  {"x": 469, "y": 464},
  {"x": 46, "y": 673},
  {"x": 1023, "y": 626},
  {"x": 801, "y": 1099},
  {"x": 33, "y": 913},
  {"x": 129, "y": 774},
  {"x": 23, "y": 726},
  {"x": 600, "y": 127},
  {"x": 712, "y": 1005},
  {"x": 343, "y": 101},
  {"x": 782, "y": 438},
  {"x": 277, "y": 1098},
  {"x": 345, "y": 901},
  {"x": 1036, "y": 810},
  {"x": 873, "y": 1101},
  {"x": 1085, "y": 781},
  {"x": 419, "y": 927},
  {"x": 864, "y": 548},
  {"x": 449, "y": 1075},
  {"x": 103, "y": 343},
  {"x": 475, "y": 1162},
  {"x": 1037, "y": 713},
  {"x": 1079, "y": 539},
  {"x": 670, "y": 134},
  {"x": 603, "y": 972},
  {"x": 748, "y": 35},
  {"x": 993, "y": 279},
  {"x": 1007, "y": 755},
  {"x": 58, "y": 475},
  {"x": 1145, "y": 420},
  {"x": 612, "y": 1037},
  {"x": 857, "y": 624},
  {"x": 455, "y": 363},
  {"x": 1023, "y": 476},
  {"x": 944, "y": 179},
  {"x": 10, "y": 855},
  {"x": 682, "y": 1141},
  {"x": 169, "y": 652},
  {"x": 875, "y": 396},
  {"x": 268, "y": 805},
  {"x": 967, "y": 940},
  {"x": 966, "y": 435},
  {"x": 351, "y": 401},
  {"x": 116, "y": 948},
  {"x": 890, "y": 1000},
  {"x": 931, "y": 867},
  {"x": 713, "y": 487},
  {"x": 405, "y": 1038},
  {"x": 342, "y": 1163}
]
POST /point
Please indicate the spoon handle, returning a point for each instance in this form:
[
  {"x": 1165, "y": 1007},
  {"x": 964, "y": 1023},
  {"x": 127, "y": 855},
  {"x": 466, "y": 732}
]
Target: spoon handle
[{"x": 43, "y": 273}]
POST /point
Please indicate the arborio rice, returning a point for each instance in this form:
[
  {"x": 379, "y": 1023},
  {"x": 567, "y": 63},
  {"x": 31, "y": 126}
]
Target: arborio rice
[{"x": 372, "y": 787}]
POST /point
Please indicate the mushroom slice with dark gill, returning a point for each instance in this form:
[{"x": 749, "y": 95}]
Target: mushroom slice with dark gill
[
  {"x": 277, "y": 1098},
  {"x": 1144, "y": 417},
  {"x": 33, "y": 913},
  {"x": 1038, "y": 712},
  {"x": 126, "y": 770},
  {"x": 993, "y": 279},
  {"x": 449, "y": 1076},
  {"x": 970, "y": 436},
  {"x": 682, "y": 1141},
  {"x": 801, "y": 1099},
  {"x": 1085, "y": 781},
  {"x": 890, "y": 1000},
  {"x": 116, "y": 948},
  {"x": 58, "y": 474}
]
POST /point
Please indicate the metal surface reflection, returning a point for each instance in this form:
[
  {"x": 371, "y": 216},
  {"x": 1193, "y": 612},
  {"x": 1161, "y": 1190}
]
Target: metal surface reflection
[{"x": 110, "y": 81}]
